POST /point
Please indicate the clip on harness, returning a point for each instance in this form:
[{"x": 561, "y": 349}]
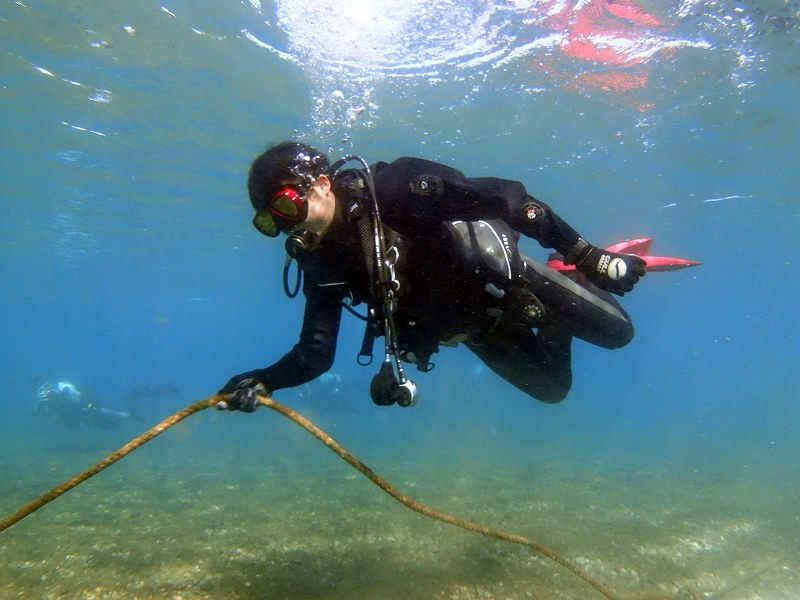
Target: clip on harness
[
  {"x": 391, "y": 380},
  {"x": 396, "y": 387}
]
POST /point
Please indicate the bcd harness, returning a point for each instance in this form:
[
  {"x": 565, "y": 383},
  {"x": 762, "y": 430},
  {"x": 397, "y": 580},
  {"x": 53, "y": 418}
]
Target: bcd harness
[
  {"x": 483, "y": 253},
  {"x": 390, "y": 385}
]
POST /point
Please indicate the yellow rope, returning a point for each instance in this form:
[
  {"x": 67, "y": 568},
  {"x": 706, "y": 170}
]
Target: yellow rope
[
  {"x": 106, "y": 462},
  {"x": 429, "y": 512},
  {"x": 335, "y": 447}
]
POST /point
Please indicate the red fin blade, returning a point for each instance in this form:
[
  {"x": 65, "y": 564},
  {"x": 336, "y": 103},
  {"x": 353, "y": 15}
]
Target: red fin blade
[
  {"x": 665, "y": 263},
  {"x": 638, "y": 247},
  {"x": 558, "y": 265}
]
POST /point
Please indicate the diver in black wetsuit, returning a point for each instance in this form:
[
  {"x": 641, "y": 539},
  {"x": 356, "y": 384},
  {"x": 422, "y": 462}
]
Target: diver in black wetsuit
[{"x": 433, "y": 255}]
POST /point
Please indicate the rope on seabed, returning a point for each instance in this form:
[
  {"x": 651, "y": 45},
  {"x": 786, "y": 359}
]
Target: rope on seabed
[
  {"x": 335, "y": 447},
  {"x": 107, "y": 462}
]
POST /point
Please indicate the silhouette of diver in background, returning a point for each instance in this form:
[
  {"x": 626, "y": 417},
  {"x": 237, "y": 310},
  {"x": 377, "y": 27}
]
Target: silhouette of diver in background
[{"x": 76, "y": 409}]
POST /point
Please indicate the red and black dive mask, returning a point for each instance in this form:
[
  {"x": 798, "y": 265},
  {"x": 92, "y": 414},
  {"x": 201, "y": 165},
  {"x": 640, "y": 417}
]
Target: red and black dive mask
[{"x": 287, "y": 208}]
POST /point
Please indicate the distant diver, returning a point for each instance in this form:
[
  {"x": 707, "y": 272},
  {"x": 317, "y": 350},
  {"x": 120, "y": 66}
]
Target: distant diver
[{"x": 76, "y": 409}]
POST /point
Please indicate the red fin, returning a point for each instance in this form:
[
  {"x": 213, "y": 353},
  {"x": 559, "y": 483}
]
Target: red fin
[
  {"x": 558, "y": 265},
  {"x": 665, "y": 263},
  {"x": 640, "y": 247}
]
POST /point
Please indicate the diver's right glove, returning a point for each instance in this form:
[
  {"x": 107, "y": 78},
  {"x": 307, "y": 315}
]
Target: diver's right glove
[
  {"x": 245, "y": 392},
  {"x": 611, "y": 271}
]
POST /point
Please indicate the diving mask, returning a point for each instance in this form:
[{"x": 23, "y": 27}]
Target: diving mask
[{"x": 287, "y": 208}]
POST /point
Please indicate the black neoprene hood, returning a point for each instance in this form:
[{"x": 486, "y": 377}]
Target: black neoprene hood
[{"x": 282, "y": 163}]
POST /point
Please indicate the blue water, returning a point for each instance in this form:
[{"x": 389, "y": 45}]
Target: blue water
[{"x": 128, "y": 260}]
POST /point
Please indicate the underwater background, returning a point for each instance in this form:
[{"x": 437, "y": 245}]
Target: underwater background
[{"x": 130, "y": 269}]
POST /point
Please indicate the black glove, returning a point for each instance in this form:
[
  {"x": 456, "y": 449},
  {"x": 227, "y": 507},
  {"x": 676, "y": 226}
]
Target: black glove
[
  {"x": 245, "y": 392},
  {"x": 611, "y": 271}
]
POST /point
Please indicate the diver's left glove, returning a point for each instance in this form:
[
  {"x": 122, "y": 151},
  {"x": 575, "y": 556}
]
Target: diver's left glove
[
  {"x": 611, "y": 271},
  {"x": 245, "y": 390}
]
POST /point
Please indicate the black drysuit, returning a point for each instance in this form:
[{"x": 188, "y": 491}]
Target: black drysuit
[{"x": 443, "y": 295}]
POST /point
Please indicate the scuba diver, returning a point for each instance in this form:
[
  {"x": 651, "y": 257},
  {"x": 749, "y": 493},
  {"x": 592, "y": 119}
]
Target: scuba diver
[
  {"x": 74, "y": 408},
  {"x": 433, "y": 256}
]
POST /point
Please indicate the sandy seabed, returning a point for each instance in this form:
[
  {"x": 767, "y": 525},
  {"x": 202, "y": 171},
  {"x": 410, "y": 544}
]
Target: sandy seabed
[{"x": 309, "y": 526}]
